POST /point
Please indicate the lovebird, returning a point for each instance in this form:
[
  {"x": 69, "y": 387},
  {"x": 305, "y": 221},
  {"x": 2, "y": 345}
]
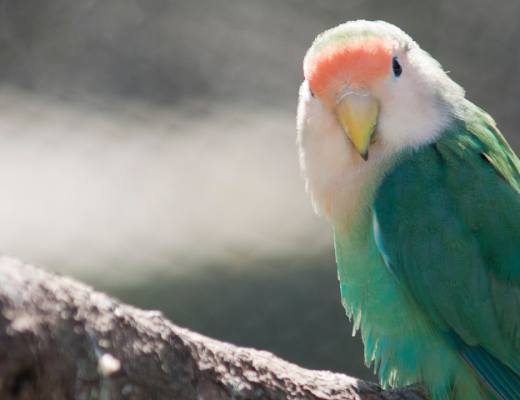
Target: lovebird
[{"x": 423, "y": 193}]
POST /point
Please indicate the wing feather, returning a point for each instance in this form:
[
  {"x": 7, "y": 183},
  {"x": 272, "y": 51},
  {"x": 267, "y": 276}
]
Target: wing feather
[{"x": 447, "y": 224}]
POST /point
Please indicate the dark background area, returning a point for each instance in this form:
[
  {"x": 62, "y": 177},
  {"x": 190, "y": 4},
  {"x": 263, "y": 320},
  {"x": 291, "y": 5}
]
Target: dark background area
[{"x": 147, "y": 147}]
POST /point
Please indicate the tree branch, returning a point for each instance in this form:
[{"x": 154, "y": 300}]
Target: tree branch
[{"x": 60, "y": 339}]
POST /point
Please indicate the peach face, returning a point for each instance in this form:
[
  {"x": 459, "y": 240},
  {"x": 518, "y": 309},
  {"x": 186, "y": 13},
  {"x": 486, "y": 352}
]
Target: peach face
[{"x": 357, "y": 65}]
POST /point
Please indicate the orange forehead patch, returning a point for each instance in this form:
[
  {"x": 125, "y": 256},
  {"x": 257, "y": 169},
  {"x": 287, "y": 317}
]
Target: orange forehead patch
[{"x": 358, "y": 64}]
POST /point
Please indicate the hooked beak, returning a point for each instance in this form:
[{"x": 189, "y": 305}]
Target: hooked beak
[{"x": 357, "y": 114}]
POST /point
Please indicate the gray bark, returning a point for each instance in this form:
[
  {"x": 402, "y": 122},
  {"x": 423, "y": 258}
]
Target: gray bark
[{"x": 60, "y": 339}]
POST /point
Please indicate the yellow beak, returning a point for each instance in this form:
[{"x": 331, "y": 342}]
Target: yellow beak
[{"x": 358, "y": 117}]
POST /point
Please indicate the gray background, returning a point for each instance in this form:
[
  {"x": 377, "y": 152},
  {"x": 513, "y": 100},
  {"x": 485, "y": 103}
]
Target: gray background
[{"x": 147, "y": 147}]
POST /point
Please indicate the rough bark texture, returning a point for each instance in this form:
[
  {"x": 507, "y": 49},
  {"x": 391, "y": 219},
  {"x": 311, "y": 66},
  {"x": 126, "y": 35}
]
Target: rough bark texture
[{"x": 60, "y": 339}]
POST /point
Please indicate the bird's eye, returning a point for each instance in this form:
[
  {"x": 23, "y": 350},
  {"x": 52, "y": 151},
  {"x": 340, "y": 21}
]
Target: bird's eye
[
  {"x": 396, "y": 67},
  {"x": 312, "y": 93}
]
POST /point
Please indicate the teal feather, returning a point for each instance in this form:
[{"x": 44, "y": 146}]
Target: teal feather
[
  {"x": 503, "y": 381},
  {"x": 441, "y": 253}
]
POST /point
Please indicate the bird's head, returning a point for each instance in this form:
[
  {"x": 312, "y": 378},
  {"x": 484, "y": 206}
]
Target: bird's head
[{"x": 377, "y": 84}]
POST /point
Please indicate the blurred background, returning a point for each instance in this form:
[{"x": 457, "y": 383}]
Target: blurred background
[{"x": 147, "y": 148}]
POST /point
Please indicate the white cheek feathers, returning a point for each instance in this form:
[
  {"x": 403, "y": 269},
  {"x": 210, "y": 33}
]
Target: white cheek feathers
[
  {"x": 413, "y": 106},
  {"x": 332, "y": 168},
  {"x": 321, "y": 147}
]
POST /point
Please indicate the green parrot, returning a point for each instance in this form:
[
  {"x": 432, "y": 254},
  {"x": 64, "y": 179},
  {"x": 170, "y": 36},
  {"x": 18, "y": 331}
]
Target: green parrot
[{"x": 423, "y": 193}]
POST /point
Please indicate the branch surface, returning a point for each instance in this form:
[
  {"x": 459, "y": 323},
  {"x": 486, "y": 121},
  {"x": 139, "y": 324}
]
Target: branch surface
[{"x": 60, "y": 339}]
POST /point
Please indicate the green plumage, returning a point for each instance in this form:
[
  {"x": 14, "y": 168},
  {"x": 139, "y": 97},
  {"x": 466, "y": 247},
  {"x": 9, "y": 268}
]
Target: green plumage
[{"x": 430, "y": 268}]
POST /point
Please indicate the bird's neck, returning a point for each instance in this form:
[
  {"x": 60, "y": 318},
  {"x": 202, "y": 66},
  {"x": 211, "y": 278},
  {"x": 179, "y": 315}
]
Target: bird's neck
[{"x": 342, "y": 185}]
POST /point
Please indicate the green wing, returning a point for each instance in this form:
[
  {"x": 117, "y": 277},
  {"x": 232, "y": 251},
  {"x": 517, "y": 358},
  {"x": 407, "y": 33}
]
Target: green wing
[{"x": 447, "y": 223}]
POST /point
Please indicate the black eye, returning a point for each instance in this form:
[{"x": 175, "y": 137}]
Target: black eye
[
  {"x": 396, "y": 67},
  {"x": 312, "y": 93}
]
